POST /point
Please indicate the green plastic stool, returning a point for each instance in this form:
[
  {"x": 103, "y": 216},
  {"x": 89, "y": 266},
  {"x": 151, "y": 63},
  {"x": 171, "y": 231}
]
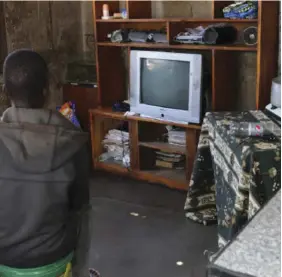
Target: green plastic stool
[{"x": 52, "y": 270}]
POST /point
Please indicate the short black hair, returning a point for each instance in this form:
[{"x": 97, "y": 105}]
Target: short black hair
[{"x": 25, "y": 77}]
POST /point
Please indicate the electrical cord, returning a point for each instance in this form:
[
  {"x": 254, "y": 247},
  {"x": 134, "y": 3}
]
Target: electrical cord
[{"x": 90, "y": 40}]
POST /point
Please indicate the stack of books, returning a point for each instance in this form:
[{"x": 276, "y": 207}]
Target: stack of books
[
  {"x": 170, "y": 160},
  {"x": 176, "y": 136}
]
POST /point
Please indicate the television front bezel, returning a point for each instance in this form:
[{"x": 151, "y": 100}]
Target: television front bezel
[{"x": 193, "y": 114}]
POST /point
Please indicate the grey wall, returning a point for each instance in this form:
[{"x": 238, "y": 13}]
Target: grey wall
[{"x": 55, "y": 29}]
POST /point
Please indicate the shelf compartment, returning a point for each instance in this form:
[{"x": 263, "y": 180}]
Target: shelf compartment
[
  {"x": 173, "y": 27},
  {"x": 180, "y": 26},
  {"x": 102, "y": 30},
  {"x": 149, "y": 156},
  {"x": 150, "y": 131},
  {"x": 154, "y": 136},
  {"x": 98, "y": 8},
  {"x": 217, "y": 7},
  {"x": 136, "y": 9},
  {"x": 164, "y": 146},
  {"x": 111, "y": 61},
  {"x": 230, "y": 47},
  {"x": 100, "y": 126},
  {"x": 148, "y": 168}
]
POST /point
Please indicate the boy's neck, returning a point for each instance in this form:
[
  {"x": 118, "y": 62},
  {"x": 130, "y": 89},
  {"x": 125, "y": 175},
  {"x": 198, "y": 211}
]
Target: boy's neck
[{"x": 22, "y": 105}]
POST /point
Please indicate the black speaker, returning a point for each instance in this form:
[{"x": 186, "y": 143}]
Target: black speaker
[
  {"x": 220, "y": 34},
  {"x": 250, "y": 36},
  {"x": 120, "y": 35}
]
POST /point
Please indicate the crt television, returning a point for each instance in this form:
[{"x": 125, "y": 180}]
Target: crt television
[{"x": 166, "y": 85}]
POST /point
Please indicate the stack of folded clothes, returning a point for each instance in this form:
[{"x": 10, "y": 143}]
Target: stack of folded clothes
[{"x": 116, "y": 144}]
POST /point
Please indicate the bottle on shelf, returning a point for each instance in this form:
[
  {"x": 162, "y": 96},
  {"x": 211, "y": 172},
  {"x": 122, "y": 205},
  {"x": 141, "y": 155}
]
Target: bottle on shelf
[
  {"x": 106, "y": 11},
  {"x": 124, "y": 13},
  {"x": 254, "y": 129}
]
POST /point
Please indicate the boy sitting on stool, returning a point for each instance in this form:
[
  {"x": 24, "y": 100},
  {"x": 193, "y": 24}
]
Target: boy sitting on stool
[{"x": 43, "y": 172}]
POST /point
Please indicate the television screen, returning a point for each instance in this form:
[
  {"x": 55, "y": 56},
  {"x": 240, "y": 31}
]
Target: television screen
[{"x": 165, "y": 83}]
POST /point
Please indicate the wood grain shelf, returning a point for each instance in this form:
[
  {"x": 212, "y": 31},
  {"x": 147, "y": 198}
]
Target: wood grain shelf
[
  {"x": 164, "y": 146},
  {"x": 111, "y": 167},
  {"x": 107, "y": 112},
  {"x": 113, "y": 162},
  {"x": 137, "y": 20},
  {"x": 172, "y": 174},
  {"x": 166, "y": 177},
  {"x": 180, "y": 46},
  {"x": 196, "y": 20}
]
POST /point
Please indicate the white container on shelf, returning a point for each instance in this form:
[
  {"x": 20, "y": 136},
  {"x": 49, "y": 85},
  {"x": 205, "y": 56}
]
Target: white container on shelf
[{"x": 275, "y": 98}]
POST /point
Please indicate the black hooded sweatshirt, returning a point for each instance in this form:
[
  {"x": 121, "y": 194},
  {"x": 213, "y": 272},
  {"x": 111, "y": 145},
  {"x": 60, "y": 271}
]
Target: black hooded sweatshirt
[{"x": 43, "y": 186}]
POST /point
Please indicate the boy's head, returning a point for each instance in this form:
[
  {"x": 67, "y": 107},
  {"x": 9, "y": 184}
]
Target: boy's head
[{"x": 25, "y": 78}]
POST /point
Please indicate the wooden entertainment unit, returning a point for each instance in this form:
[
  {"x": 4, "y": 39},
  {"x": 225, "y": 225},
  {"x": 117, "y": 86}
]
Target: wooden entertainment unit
[{"x": 145, "y": 133}]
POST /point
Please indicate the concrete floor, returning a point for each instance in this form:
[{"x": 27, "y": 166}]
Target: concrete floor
[
  {"x": 150, "y": 242},
  {"x": 136, "y": 192}
]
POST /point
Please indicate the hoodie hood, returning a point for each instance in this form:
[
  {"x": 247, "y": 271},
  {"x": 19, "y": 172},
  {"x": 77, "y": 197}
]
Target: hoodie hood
[{"x": 39, "y": 141}]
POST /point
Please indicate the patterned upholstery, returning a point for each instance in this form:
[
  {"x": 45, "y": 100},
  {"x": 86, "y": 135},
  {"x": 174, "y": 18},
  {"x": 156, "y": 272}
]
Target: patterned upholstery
[{"x": 232, "y": 177}]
